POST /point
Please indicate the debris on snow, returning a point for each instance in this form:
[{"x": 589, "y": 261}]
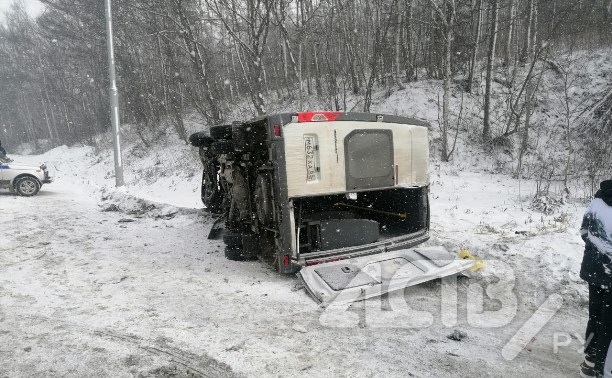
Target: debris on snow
[
  {"x": 457, "y": 335},
  {"x": 110, "y": 207}
]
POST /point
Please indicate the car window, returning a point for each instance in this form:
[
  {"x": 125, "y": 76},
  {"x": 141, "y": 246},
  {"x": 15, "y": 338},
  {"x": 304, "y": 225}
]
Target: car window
[{"x": 369, "y": 159}]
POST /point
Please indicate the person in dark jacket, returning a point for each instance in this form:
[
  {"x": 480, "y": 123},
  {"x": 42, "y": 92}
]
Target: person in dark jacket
[
  {"x": 2, "y": 151},
  {"x": 596, "y": 231}
]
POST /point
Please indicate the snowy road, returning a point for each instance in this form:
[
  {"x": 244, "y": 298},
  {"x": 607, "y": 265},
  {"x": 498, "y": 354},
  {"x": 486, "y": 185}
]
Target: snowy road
[{"x": 83, "y": 292}]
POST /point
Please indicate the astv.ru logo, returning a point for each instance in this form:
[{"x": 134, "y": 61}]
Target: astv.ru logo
[{"x": 500, "y": 288}]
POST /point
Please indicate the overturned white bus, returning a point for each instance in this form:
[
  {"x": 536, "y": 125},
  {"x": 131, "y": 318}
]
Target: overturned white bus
[{"x": 341, "y": 198}]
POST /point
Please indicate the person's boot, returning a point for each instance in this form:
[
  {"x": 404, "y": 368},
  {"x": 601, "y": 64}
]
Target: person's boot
[{"x": 588, "y": 369}]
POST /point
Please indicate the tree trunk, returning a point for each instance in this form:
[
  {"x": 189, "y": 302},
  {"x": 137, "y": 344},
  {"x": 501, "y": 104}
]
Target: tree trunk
[
  {"x": 318, "y": 84},
  {"x": 474, "y": 60},
  {"x": 568, "y": 135},
  {"x": 449, "y": 25},
  {"x": 529, "y": 103},
  {"x": 257, "y": 85},
  {"x": 511, "y": 18},
  {"x": 486, "y": 130},
  {"x": 398, "y": 43},
  {"x": 300, "y": 87},
  {"x": 411, "y": 55},
  {"x": 534, "y": 29},
  {"x": 527, "y": 41}
]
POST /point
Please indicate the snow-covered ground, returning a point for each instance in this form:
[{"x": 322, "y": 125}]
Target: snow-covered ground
[
  {"x": 104, "y": 282},
  {"x": 85, "y": 292}
]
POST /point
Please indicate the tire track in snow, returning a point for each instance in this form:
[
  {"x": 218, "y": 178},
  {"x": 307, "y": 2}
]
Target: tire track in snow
[{"x": 196, "y": 365}]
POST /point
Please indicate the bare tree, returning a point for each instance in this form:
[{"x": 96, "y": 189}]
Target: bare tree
[
  {"x": 177, "y": 56},
  {"x": 446, "y": 16},
  {"x": 198, "y": 55},
  {"x": 381, "y": 29},
  {"x": 254, "y": 18}
]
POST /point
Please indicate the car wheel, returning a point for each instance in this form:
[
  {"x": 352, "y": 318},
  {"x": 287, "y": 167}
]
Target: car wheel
[
  {"x": 233, "y": 240},
  {"x": 27, "y": 186},
  {"x": 233, "y": 246},
  {"x": 240, "y": 136},
  {"x": 222, "y": 147},
  {"x": 250, "y": 246},
  {"x": 233, "y": 254},
  {"x": 221, "y": 132},
  {"x": 200, "y": 139},
  {"x": 212, "y": 197}
]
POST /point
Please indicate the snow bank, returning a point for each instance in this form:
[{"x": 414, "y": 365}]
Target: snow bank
[{"x": 168, "y": 171}]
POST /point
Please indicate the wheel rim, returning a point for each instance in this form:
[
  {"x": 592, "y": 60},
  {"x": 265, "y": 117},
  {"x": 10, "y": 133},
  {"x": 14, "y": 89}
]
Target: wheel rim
[
  {"x": 27, "y": 187},
  {"x": 211, "y": 192},
  {"x": 210, "y": 185}
]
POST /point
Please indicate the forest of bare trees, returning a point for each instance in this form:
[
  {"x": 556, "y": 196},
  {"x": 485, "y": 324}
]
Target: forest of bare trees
[{"x": 175, "y": 56}]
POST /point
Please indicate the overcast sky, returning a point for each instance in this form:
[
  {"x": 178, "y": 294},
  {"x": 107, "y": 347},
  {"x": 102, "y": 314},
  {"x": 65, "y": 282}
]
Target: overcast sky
[{"x": 34, "y": 7}]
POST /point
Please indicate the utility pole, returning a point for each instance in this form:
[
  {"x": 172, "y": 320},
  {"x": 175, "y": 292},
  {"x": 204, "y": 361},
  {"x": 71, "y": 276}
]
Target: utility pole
[{"x": 114, "y": 99}]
